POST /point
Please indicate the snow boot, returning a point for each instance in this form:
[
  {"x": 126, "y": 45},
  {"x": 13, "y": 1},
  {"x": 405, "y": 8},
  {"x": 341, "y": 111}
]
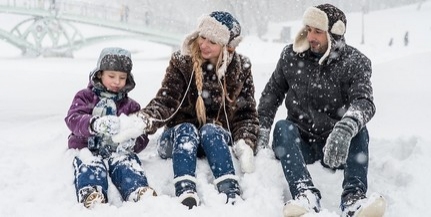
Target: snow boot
[
  {"x": 90, "y": 196},
  {"x": 357, "y": 205},
  {"x": 185, "y": 190},
  {"x": 140, "y": 193},
  {"x": 303, "y": 203},
  {"x": 189, "y": 199},
  {"x": 229, "y": 185}
]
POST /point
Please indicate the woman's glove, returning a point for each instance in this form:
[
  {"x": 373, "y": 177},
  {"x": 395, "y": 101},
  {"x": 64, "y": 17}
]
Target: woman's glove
[
  {"x": 132, "y": 127},
  {"x": 105, "y": 125},
  {"x": 245, "y": 155},
  {"x": 338, "y": 142}
]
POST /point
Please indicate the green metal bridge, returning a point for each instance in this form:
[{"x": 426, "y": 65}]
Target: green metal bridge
[{"x": 51, "y": 32}]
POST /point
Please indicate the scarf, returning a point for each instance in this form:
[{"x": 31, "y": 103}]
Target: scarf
[{"x": 102, "y": 144}]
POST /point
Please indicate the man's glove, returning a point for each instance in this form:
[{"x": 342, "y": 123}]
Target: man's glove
[
  {"x": 263, "y": 139},
  {"x": 105, "y": 125},
  {"x": 338, "y": 142},
  {"x": 126, "y": 146},
  {"x": 245, "y": 155},
  {"x": 132, "y": 127}
]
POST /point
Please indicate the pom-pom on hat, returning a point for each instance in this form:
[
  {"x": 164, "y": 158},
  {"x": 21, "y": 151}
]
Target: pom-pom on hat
[{"x": 325, "y": 17}]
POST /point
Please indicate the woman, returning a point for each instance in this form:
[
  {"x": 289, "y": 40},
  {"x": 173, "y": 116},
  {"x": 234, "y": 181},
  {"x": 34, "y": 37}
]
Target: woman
[{"x": 206, "y": 103}]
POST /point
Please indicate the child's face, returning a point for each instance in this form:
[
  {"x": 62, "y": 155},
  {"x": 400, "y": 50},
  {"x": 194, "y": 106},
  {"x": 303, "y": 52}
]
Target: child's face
[{"x": 114, "y": 81}]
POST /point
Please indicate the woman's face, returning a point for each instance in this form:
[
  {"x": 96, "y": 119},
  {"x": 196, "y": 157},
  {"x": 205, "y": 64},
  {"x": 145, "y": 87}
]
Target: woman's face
[{"x": 209, "y": 50}]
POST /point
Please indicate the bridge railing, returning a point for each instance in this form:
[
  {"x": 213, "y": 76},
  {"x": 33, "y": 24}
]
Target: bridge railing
[{"x": 141, "y": 14}]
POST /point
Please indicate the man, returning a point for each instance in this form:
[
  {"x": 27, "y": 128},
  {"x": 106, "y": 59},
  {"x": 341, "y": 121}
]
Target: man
[{"x": 329, "y": 99}]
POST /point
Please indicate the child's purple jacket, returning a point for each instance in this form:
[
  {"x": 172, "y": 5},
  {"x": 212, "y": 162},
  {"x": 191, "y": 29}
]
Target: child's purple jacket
[{"x": 79, "y": 115}]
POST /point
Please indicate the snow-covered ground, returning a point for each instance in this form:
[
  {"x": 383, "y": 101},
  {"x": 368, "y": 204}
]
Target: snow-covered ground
[{"x": 36, "y": 166}]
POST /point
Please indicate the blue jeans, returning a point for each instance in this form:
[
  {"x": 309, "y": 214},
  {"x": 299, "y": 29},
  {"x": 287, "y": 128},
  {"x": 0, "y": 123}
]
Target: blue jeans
[
  {"x": 125, "y": 171},
  {"x": 181, "y": 143},
  {"x": 294, "y": 153}
]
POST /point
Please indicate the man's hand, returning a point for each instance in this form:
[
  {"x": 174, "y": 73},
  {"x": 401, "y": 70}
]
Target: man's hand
[{"x": 337, "y": 144}]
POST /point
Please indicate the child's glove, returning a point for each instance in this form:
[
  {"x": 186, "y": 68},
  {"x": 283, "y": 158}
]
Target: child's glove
[
  {"x": 132, "y": 127},
  {"x": 105, "y": 125},
  {"x": 126, "y": 146},
  {"x": 245, "y": 155},
  {"x": 338, "y": 142}
]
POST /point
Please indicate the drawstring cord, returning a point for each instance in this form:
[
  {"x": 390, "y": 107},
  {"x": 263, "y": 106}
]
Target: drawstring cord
[
  {"x": 179, "y": 106},
  {"x": 184, "y": 97}
]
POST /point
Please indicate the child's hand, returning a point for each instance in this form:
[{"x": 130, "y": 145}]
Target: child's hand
[
  {"x": 126, "y": 146},
  {"x": 106, "y": 125}
]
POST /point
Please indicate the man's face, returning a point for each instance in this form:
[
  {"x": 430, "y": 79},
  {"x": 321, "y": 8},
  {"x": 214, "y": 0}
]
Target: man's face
[{"x": 318, "y": 39}]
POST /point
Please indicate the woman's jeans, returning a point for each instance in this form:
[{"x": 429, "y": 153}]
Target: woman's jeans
[
  {"x": 294, "y": 153},
  {"x": 183, "y": 142}
]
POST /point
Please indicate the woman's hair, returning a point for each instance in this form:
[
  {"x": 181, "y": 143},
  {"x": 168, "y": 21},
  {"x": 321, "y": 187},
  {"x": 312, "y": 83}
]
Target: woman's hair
[
  {"x": 197, "y": 63},
  {"x": 197, "y": 68}
]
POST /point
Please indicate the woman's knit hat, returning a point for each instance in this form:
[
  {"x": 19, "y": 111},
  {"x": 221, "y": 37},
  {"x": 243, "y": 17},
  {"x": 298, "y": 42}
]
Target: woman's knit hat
[
  {"x": 325, "y": 17},
  {"x": 220, "y": 27}
]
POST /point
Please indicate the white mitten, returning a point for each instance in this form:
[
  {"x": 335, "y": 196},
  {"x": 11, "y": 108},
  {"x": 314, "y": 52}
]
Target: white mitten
[
  {"x": 106, "y": 125},
  {"x": 245, "y": 155},
  {"x": 131, "y": 127}
]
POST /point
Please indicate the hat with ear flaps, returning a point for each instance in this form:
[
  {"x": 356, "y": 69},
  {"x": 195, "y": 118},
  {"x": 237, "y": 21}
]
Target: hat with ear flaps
[
  {"x": 325, "y": 17},
  {"x": 219, "y": 27},
  {"x": 114, "y": 59}
]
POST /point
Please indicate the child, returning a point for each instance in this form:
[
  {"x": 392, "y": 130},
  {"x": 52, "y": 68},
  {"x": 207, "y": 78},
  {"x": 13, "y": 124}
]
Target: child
[{"x": 93, "y": 118}]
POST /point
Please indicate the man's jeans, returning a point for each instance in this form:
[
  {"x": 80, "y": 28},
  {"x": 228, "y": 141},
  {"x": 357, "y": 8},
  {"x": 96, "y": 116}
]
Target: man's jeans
[{"x": 294, "y": 153}]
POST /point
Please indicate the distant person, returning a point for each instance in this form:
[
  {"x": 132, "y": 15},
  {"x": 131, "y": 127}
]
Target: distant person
[
  {"x": 53, "y": 7},
  {"x": 406, "y": 38},
  {"x": 124, "y": 13},
  {"x": 93, "y": 119},
  {"x": 147, "y": 18},
  {"x": 206, "y": 104},
  {"x": 391, "y": 42},
  {"x": 325, "y": 85}
]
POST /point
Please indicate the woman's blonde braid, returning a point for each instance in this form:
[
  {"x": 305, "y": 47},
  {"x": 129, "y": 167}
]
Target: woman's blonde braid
[{"x": 197, "y": 63}]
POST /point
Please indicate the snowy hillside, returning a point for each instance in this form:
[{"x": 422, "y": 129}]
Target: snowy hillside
[{"x": 36, "y": 166}]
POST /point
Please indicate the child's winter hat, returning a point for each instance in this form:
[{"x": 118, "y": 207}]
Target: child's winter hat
[
  {"x": 220, "y": 27},
  {"x": 325, "y": 17},
  {"x": 115, "y": 59}
]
